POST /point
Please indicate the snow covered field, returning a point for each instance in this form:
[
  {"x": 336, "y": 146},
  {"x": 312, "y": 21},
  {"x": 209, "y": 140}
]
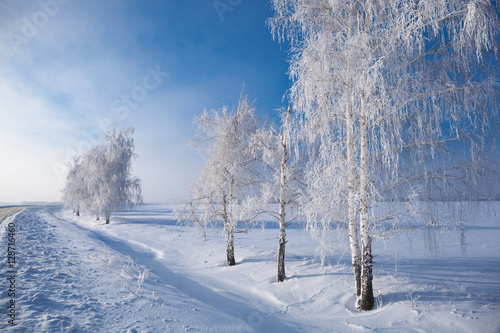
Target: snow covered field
[{"x": 144, "y": 273}]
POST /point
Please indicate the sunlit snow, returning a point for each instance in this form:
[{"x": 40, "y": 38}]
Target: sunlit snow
[{"x": 145, "y": 273}]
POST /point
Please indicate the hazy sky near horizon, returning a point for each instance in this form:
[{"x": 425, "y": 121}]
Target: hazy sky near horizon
[{"x": 69, "y": 69}]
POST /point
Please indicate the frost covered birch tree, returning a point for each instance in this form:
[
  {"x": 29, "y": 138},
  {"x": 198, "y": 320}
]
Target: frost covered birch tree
[
  {"x": 401, "y": 94},
  {"x": 94, "y": 163},
  {"x": 101, "y": 181},
  {"x": 229, "y": 172},
  {"x": 75, "y": 190},
  {"x": 277, "y": 147},
  {"x": 119, "y": 189}
]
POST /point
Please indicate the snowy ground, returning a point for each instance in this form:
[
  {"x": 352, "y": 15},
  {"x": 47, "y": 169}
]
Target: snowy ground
[{"x": 143, "y": 273}]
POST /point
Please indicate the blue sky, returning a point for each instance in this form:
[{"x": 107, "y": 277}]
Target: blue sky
[{"x": 69, "y": 68}]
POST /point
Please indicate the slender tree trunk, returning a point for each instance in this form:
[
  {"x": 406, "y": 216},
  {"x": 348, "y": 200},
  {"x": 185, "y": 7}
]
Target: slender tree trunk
[
  {"x": 352, "y": 206},
  {"x": 229, "y": 233},
  {"x": 366, "y": 301},
  {"x": 281, "y": 251},
  {"x": 230, "y": 246},
  {"x": 352, "y": 182},
  {"x": 282, "y": 201},
  {"x": 324, "y": 239}
]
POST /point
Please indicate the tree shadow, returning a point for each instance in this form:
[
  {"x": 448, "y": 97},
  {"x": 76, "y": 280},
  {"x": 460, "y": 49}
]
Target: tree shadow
[
  {"x": 303, "y": 276},
  {"x": 253, "y": 260},
  {"x": 273, "y": 257},
  {"x": 144, "y": 221},
  {"x": 153, "y": 215},
  {"x": 437, "y": 296},
  {"x": 474, "y": 275},
  {"x": 456, "y": 279}
]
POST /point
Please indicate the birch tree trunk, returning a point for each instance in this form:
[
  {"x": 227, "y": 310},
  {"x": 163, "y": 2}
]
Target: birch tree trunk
[
  {"x": 282, "y": 242},
  {"x": 232, "y": 225},
  {"x": 228, "y": 232},
  {"x": 351, "y": 181},
  {"x": 107, "y": 214},
  {"x": 229, "y": 229},
  {"x": 352, "y": 207},
  {"x": 366, "y": 301},
  {"x": 282, "y": 200}
]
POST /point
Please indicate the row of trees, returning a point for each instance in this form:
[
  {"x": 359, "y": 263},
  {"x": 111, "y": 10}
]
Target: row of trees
[
  {"x": 100, "y": 181},
  {"x": 393, "y": 102},
  {"x": 392, "y": 107},
  {"x": 400, "y": 97},
  {"x": 249, "y": 173}
]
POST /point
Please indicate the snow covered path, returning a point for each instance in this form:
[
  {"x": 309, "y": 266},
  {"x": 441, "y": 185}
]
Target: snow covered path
[
  {"x": 143, "y": 273},
  {"x": 228, "y": 313},
  {"x": 72, "y": 279}
]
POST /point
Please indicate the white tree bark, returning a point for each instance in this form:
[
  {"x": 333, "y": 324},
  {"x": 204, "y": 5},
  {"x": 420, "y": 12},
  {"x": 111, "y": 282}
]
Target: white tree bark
[
  {"x": 228, "y": 231},
  {"x": 366, "y": 300},
  {"x": 285, "y": 133},
  {"x": 352, "y": 201}
]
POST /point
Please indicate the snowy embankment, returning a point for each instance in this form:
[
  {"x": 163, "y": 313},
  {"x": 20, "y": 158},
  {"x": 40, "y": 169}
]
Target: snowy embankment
[{"x": 144, "y": 273}]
